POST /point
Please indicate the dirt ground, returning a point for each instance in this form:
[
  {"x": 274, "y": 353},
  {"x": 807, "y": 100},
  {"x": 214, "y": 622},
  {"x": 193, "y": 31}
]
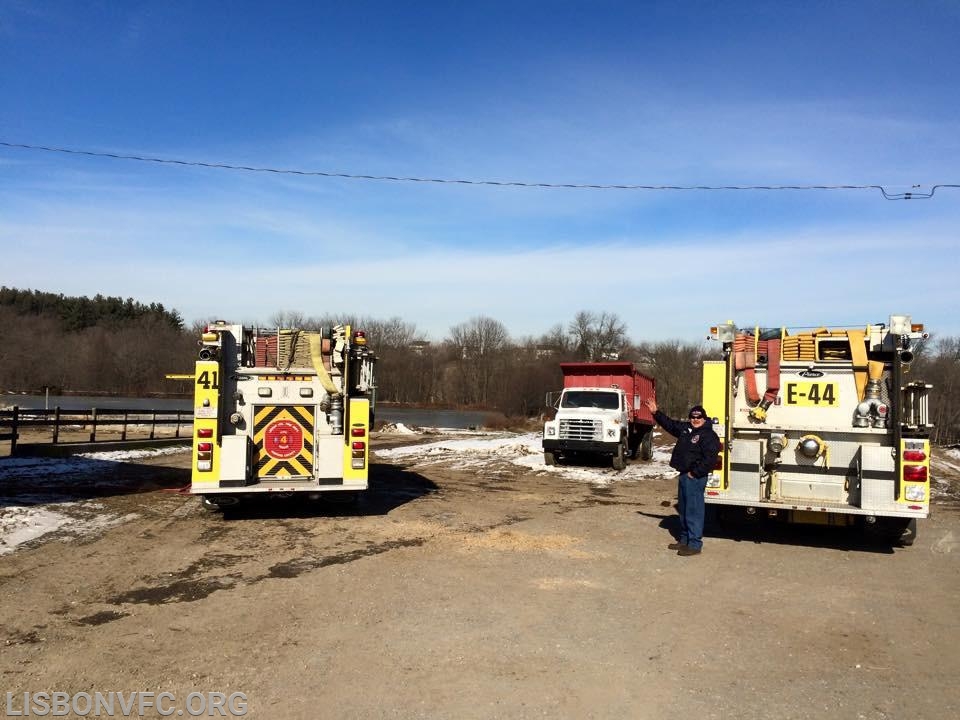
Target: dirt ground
[{"x": 452, "y": 592}]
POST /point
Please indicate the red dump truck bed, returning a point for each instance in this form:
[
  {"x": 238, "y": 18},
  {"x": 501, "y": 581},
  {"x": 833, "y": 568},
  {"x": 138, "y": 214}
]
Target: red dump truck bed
[{"x": 624, "y": 375}]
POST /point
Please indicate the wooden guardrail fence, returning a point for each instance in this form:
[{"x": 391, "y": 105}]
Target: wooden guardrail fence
[{"x": 83, "y": 425}]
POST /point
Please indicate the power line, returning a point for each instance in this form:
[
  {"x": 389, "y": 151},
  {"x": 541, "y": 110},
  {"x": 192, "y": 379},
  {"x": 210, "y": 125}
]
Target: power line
[{"x": 915, "y": 193}]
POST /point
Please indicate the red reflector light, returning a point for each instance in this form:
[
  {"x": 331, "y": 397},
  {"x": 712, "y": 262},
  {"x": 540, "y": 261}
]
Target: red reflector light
[
  {"x": 205, "y": 432},
  {"x": 914, "y": 455},
  {"x": 358, "y": 445},
  {"x": 915, "y": 507},
  {"x": 712, "y": 492},
  {"x": 916, "y": 473},
  {"x": 357, "y": 432},
  {"x": 204, "y": 447}
]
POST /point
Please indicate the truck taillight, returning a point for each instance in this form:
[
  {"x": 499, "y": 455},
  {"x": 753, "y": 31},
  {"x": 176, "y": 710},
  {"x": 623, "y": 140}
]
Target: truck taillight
[
  {"x": 204, "y": 447},
  {"x": 205, "y": 432},
  {"x": 914, "y": 455},
  {"x": 357, "y": 432},
  {"x": 915, "y": 473},
  {"x": 204, "y": 457},
  {"x": 357, "y": 455},
  {"x": 718, "y": 465}
]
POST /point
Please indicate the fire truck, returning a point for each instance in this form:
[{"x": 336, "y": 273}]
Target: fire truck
[
  {"x": 821, "y": 426},
  {"x": 281, "y": 412}
]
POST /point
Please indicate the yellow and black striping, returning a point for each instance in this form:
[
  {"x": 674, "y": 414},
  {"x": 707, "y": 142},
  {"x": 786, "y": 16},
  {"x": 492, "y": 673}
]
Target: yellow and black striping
[{"x": 283, "y": 437}]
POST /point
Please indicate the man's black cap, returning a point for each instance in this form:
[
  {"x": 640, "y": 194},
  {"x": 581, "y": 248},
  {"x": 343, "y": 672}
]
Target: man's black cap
[{"x": 697, "y": 409}]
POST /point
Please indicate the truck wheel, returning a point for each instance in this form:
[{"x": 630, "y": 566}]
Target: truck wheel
[
  {"x": 549, "y": 458},
  {"x": 646, "y": 446},
  {"x": 209, "y": 505},
  {"x": 891, "y": 530},
  {"x": 909, "y": 534},
  {"x": 620, "y": 457}
]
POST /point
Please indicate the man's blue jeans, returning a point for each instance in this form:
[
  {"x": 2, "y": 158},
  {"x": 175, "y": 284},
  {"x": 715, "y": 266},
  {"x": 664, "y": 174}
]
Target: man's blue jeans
[{"x": 691, "y": 507}]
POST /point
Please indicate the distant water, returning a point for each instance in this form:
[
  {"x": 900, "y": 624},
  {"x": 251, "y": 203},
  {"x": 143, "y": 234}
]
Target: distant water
[
  {"x": 415, "y": 417},
  {"x": 420, "y": 417},
  {"x": 81, "y": 402}
]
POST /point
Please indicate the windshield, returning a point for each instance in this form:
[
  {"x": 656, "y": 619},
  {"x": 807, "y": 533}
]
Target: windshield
[{"x": 590, "y": 399}]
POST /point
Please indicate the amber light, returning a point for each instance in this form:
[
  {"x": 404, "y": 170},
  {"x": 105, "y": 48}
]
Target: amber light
[
  {"x": 914, "y": 455},
  {"x": 915, "y": 473}
]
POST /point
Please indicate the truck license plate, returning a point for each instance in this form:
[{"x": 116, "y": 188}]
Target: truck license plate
[{"x": 813, "y": 394}]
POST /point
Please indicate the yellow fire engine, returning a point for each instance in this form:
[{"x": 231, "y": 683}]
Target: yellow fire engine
[
  {"x": 822, "y": 426},
  {"x": 281, "y": 411}
]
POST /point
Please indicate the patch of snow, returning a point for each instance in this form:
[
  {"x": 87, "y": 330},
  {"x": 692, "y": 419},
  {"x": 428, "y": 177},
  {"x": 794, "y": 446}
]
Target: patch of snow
[
  {"x": 397, "y": 429},
  {"x": 21, "y": 524},
  {"x": 27, "y": 517},
  {"x": 525, "y": 450}
]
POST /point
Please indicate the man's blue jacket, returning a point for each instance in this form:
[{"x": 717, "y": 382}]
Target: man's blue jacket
[{"x": 696, "y": 450}]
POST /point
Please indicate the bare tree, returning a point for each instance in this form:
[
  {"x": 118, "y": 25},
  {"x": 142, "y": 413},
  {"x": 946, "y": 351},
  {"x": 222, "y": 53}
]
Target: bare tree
[
  {"x": 287, "y": 319},
  {"x": 479, "y": 346},
  {"x": 600, "y": 336}
]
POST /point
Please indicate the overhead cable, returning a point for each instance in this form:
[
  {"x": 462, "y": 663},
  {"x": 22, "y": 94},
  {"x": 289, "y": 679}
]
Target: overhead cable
[{"x": 916, "y": 191}]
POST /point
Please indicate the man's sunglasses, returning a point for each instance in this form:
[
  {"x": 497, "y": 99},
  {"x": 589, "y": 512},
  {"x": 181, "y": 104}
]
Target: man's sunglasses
[{"x": 696, "y": 416}]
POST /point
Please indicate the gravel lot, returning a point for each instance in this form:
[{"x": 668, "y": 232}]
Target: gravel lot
[{"x": 470, "y": 582}]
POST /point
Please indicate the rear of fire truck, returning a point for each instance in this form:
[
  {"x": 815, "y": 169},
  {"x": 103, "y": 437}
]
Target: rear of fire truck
[
  {"x": 822, "y": 426},
  {"x": 281, "y": 412}
]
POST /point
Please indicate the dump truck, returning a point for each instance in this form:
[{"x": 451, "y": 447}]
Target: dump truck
[
  {"x": 821, "y": 426},
  {"x": 281, "y": 412},
  {"x": 600, "y": 412}
]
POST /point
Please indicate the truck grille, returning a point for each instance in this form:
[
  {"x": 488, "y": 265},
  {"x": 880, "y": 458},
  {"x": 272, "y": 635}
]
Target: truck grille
[{"x": 581, "y": 430}]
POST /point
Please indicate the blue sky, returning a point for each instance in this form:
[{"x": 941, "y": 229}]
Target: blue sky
[{"x": 678, "y": 93}]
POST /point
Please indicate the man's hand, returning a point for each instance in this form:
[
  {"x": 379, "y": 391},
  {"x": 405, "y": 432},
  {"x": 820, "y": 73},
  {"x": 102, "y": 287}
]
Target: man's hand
[{"x": 651, "y": 404}]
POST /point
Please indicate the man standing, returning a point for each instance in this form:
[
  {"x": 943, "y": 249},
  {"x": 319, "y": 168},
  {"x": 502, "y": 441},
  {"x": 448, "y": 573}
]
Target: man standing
[{"x": 694, "y": 456}]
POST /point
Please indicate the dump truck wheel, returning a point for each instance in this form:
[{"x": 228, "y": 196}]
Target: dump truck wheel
[
  {"x": 549, "y": 458},
  {"x": 646, "y": 446},
  {"x": 620, "y": 457}
]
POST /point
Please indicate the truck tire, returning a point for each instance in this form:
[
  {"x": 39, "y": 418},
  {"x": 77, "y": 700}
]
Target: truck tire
[
  {"x": 549, "y": 458},
  {"x": 209, "y": 505},
  {"x": 909, "y": 534},
  {"x": 620, "y": 456},
  {"x": 891, "y": 530},
  {"x": 646, "y": 446}
]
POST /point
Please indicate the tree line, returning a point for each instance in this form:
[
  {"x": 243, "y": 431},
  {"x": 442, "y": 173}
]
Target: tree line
[
  {"x": 108, "y": 345},
  {"x": 79, "y": 313}
]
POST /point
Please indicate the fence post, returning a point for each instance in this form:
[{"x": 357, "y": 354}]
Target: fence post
[
  {"x": 177, "y": 433},
  {"x": 56, "y": 425},
  {"x": 93, "y": 425},
  {"x": 13, "y": 430},
  {"x": 153, "y": 424},
  {"x": 123, "y": 433}
]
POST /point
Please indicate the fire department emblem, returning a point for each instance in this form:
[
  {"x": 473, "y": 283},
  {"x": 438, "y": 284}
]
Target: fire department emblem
[{"x": 283, "y": 439}]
